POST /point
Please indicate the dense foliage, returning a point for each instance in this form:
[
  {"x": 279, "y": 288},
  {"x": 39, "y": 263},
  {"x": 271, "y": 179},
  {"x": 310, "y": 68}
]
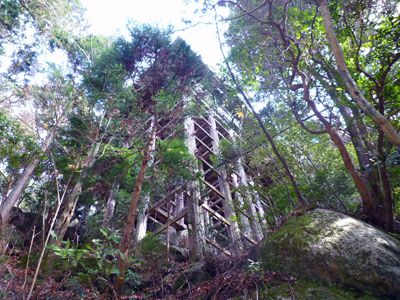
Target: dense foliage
[{"x": 81, "y": 153}]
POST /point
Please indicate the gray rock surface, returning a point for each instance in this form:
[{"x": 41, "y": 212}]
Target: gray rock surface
[{"x": 335, "y": 248}]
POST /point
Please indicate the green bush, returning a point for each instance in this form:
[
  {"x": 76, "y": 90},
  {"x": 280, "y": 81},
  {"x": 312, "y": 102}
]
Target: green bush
[{"x": 94, "y": 262}]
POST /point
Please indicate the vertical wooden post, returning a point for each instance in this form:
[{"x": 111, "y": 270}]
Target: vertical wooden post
[
  {"x": 258, "y": 204},
  {"x": 141, "y": 225},
  {"x": 179, "y": 206},
  {"x": 195, "y": 214},
  {"x": 234, "y": 231},
  {"x": 244, "y": 220},
  {"x": 251, "y": 209},
  {"x": 110, "y": 206}
]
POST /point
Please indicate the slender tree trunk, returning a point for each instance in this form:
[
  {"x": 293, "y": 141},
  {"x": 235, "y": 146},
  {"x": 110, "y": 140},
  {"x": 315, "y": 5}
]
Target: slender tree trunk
[
  {"x": 67, "y": 213},
  {"x": 356, "y": 138},
  {"x": 63, "y": 220},
  {"x": 13, "y": 198},
  {"x": 367, "y": 199},
  {"x": 355, "y": 93},
  {"x": 386, "y": 189},
  {"x": 300, "y": 198},
  {"x": 197, "y": 219},
  {"x": 141, "y": 227},
  {"x": 110, "y": 206},
  {"x": 127, "y": 235}
]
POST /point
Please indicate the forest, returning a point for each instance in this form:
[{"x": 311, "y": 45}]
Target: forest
[{"x": 129, "y": 169}]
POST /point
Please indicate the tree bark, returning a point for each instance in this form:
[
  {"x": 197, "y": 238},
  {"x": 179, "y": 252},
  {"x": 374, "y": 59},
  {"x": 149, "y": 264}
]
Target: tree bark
[
  {"x": 13, "y": 198},
  {"x": 355, "y": 93},
  {"x": 233, "y": 231},
  {"x": 386, "y": 189},
  {"x": 367, "y": 199},
  {"x": 300, "y": 198},
  {"x": 110, "y": 206},
  {"x": 67, "y": 213},
  {"x": 127, "y": 236},
  {"x": 141, "y": 227},
  {"x": 196, "y": 217}
]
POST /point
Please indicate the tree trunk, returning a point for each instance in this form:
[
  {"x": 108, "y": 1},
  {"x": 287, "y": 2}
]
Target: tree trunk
[
  {"x": 355, "y": 93},
  {"x": 63, "y": 220},
  {"x": 127, "y": 235},
  {"x": 13, "y": 198},
  {"x": 141, "y": 226},
  {"x": 68, "y": 210},
  {"x": 367, "y": 199},
  {"x": 386, "y": 189},
  {"x": 109, "y": 210},
  {"x": 300, "y": 198},
  {"x": 196, "y": 218},
  {"x": 233, "y": 231}
]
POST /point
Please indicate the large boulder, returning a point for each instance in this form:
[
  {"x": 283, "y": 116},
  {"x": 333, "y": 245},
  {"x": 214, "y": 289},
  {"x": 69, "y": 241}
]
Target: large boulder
[{"x": 336, "y": 249}]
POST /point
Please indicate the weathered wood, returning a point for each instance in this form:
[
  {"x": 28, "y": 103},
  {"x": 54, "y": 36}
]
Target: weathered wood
[
  {"x": 162, "y": 217},
  {"x": 250, "y": 240},
  {"x": 155, "y": 220},
  {"x": 234, "y": 232},
  {"x": 212, "y": 187},
  {"x": 141, "y": 224},
  {"x": 204, "y": 144},
  {"x": 195, "y": 213},
  {"x": 256, "y": 230},
  {"x": 216, "y": 214},
  {"x": 110, "y": 206},
  {"x": 180, "y": 205},
  {"x": 164, "y": 200},
  {"x": 208, "y": 165},
  {"x": 215, "y": 245},
  {"x": 173, "y": 221},
  {"x": 203, "y": 130}
]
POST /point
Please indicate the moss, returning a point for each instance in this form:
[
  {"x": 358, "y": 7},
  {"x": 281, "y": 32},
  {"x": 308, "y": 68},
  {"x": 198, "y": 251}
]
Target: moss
[
  {"x": 295, "y": 234},
  {"x": 335, "y": 249},
  {"x": 307, "y": 289}
]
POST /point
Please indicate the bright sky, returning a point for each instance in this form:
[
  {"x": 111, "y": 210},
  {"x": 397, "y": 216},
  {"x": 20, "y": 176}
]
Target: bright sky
[{"x": 110, "y": 17}]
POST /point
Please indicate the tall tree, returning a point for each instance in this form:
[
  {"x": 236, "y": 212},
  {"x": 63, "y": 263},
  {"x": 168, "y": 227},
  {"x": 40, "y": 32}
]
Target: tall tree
[
  {"x": 58, "y": 96},
  {"x": 354, "y": 91},
  {"x": 159, "y": 72},
  {"x": 279, "y": 45}
]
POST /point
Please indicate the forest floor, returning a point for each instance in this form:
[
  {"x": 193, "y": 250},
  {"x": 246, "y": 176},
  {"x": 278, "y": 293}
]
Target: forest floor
[{"x": 15, "y": 282}]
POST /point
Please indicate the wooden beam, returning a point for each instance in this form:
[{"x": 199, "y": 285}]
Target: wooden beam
[
  {"x": 205, "y": 121},
  {"x": 155, "y": 220},
  {"x": 163, "y": 200},
  {"x": 159, "y": 211},
  {"x": 168, "y": 124},
  {"x": 250, "y": 240},
  {"x": 202, "y": 129},
  {"x": 215, "y": 214},
  {"x": 204, "y": 144},
  {"x": 216, "y": 202},
  {"x": 174, "y": 221},
  {"x": 210, "y": 166},
  {"x": 215, "y": 245},
  {"x": 212, "y": 187}
]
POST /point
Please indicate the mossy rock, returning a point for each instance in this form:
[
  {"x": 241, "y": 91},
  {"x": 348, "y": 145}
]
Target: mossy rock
[
  {"x": 310, "y": 290},
  {"x": 336, "y": 249}
]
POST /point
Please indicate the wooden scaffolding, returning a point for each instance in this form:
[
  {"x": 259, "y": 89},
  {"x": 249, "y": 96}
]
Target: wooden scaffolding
[{"x": 215, "y": 213}]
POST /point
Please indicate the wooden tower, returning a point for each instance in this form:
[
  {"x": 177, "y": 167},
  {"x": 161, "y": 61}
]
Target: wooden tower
[{"x": 215, "y": 213}]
